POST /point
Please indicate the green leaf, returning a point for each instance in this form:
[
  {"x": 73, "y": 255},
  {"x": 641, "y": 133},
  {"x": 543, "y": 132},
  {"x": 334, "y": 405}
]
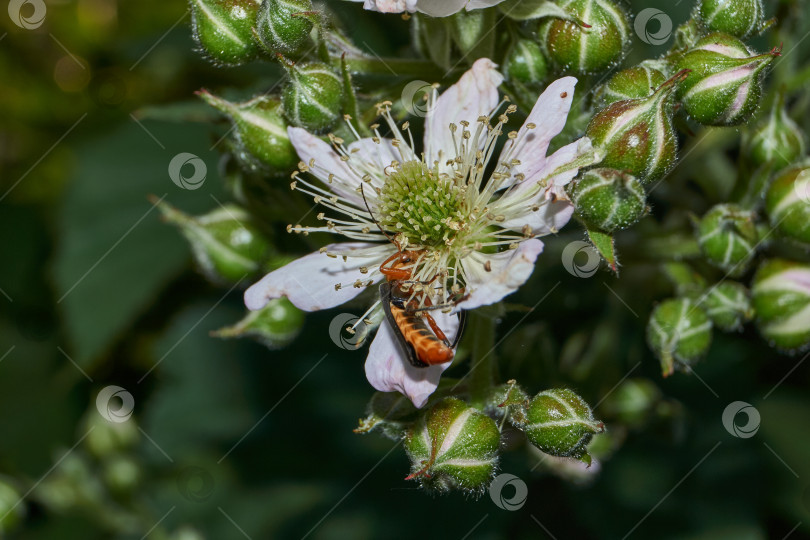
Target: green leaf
[
  {"x": 606, "y": 247},
  {"x": 114, "y": 255},
  {"x": 193, "y": 402}
]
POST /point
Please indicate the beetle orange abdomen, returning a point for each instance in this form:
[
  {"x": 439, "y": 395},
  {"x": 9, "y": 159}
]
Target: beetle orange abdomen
[{"x": 428, "y": 348}]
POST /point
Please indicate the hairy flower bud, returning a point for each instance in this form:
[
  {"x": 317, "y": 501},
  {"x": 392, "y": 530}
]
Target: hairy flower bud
[
  {"x": 453, "y": 446},
  {"x": 636, "y": 135},
  {"x": 728, "y": 236},
  {"x": 740, "y": 18},
  {"x": 105, "y": 438},
  {"x": 508, "y": 400},
  {"x": 576, "y": 48},
  {"x": 633, "y": 83},
  {"x": 728, "y": 305},
  {"x": 525, "y": 63},
  {"x": 284, "y": 25},
  {"x": 560, "y": 423},
  {"x": 788, "y": 203},
  {"x": 261, "y": 132},
  {"x": 121, "y": 474},
  {"x": 275, "y": 325},
  {"x": 777, "y": 141},
  {"x": 12, "y": 510},
  {"x": 313, "y": 97},
  {"x": 632, "y": 402},
  {"x": 725, "y": 83},
  {"x": 781, "y": 295},
  {"x": 679, "y": 332},
  {"x": 223, "y": 29},
  {"x": 607, "y": 199},
  {"x": 227, "y": 246}
]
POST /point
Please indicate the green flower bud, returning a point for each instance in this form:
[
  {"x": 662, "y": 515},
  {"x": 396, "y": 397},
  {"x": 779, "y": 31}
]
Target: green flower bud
[
  {"x": 633, "y": 83},
  {"x": 727, "y": 236},
  {"x": 507, "y": 400},
  {"x": 284, "y": 25},
  {"x": 227, "y": 246},
  {"x": 679, "y": 332},
  {"x": 526, "y": 63},
  {"x": 121, "y": 474},
  {"x": 579, "y": 49},
  {"x": 788, "y": 203},
  {"x": 313, "y": 97},
  {"x": 560, "y": 423},
  {"x": 223, "y": 29},
  {"x": 12, "y": 509},
  {"x": 777, "y": 141},
  {"x": 740, "y": 18},
  {"x": 275, "y": 325},
  {"x": 261, "y": 132},
  {"x": 636, "y": 135},
  {"x": 632, "y": 402},
  {"x": 728, "y": 305},
  {"x": 186, "y": 533},
  {"x": 725, "y": 83},
  {"x": 781, "y": 295},
  {"x": 453, "y": 446},
  {"x": 608, "y": 199},
  {"x": 106, "y": 438}
]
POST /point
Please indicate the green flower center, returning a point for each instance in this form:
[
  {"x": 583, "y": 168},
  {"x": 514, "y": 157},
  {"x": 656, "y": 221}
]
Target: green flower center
[{"x": 426, "y": 209}]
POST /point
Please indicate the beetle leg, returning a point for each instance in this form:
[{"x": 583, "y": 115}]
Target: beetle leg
[{"x": 436, "y": 330}]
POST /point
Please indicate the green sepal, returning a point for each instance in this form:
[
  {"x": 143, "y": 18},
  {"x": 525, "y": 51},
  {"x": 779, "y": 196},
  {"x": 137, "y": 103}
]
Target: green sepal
[{"x": 606, "y": 246}]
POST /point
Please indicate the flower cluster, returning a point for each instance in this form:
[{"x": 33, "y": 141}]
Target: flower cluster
[{"x": 472, "y": 215}]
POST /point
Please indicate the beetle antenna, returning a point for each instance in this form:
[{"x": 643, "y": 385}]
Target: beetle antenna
[{"x": 377, "y": 223}]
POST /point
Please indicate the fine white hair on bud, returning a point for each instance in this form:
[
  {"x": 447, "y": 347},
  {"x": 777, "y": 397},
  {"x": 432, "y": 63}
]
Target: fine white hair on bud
[{"x": 453, "y": 446}]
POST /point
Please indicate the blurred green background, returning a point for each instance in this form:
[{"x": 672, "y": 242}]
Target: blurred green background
[{"x": 232, "y": 440}]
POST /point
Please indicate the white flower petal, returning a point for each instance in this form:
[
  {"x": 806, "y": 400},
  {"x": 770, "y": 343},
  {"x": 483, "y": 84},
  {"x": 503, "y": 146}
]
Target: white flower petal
[
  {"x": 508, "y": 271},
  {"x": 548, "y": 115},
  {"x": 434, "y": 8},
  {"x": 369, "y": 156},
  {"x": 474, "y": 95},
  {"x": 551, "y": 216},
  {"x": 388, "y": 370},
  {"x": 554, "y": 208},
  {"x": 309, "y": 147},
  {"x": 481, "y": 4},
  {"x": 440, "y": 8},
  {"x": 389, "y": 6},
  {"x": 309, "y": 282}
]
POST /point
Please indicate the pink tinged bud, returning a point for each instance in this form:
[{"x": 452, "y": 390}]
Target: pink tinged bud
[
  {"x": 725, "y": 83},
  {"x": 636, "y": 135}
]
